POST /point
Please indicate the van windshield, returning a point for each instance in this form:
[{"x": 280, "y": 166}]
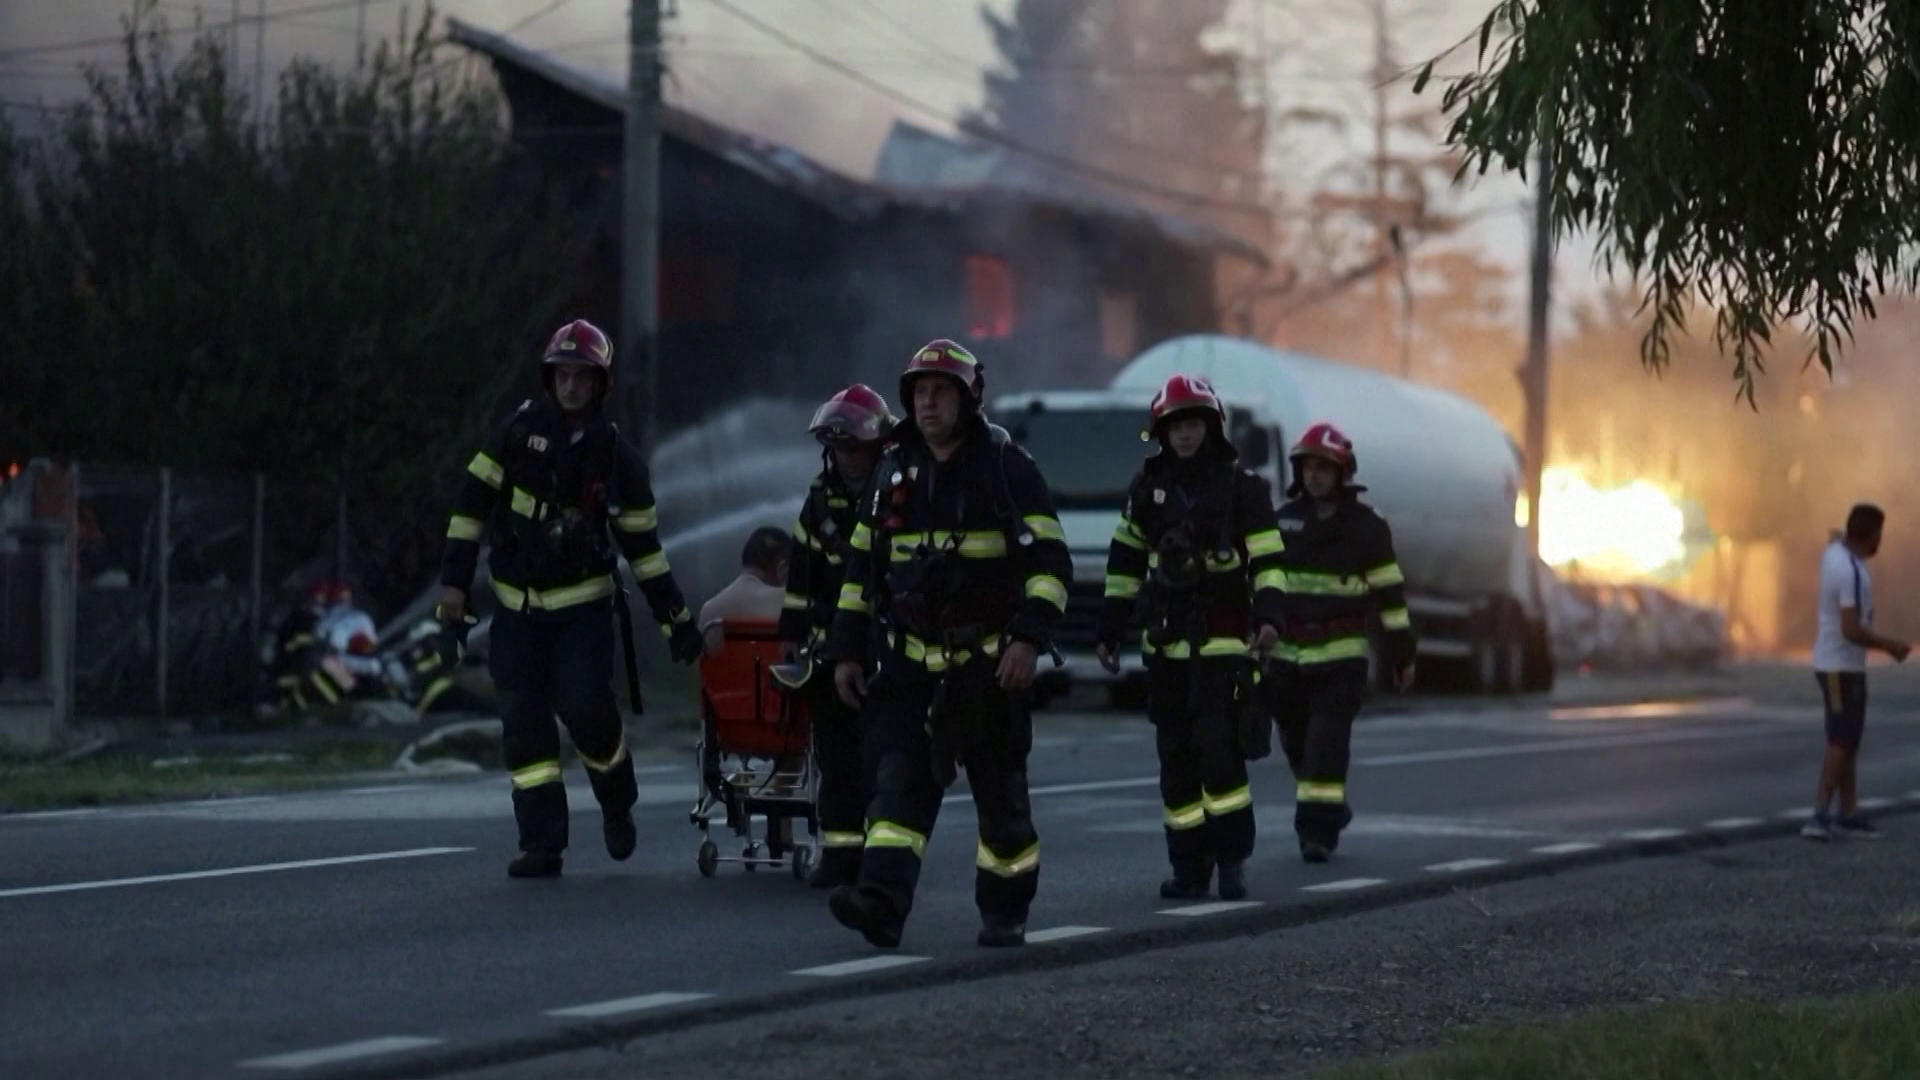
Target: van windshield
[{"x": 1087, "y": 455}]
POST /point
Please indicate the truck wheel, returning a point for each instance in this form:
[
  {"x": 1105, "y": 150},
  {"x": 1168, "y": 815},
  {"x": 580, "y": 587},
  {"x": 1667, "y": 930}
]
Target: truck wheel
[{"x": 1538, "y": 676}]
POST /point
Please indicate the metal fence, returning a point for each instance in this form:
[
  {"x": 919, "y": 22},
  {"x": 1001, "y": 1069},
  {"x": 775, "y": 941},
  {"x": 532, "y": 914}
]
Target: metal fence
[{"x": 170, "y": 571}]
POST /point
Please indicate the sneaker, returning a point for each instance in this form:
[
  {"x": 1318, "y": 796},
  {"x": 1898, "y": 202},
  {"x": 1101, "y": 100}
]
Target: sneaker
[
  {"x": 1817, "y": 828},
  {"x": 1856, "y": 827}
]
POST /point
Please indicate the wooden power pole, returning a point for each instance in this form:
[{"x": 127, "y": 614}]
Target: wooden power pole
[{"x": 636, "y": 374}]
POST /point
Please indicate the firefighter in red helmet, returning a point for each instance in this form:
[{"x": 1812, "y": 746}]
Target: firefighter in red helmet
[
  {"x": 1198, "y": 548},
  {"x": 956, "y": 577},
  {"x": 559, "y": 495},
  {"x": 851, "y": 427},
  {"x": 1341, "y": 574}
]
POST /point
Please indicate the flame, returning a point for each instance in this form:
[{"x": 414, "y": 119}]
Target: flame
[{"x": 1624, "y": 532}]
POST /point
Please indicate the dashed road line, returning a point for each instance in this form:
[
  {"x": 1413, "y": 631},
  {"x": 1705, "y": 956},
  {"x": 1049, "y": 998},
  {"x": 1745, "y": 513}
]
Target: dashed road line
[
  {"x": 1567, "y": 848},
  {"x": 232, "y": 871},
  {"x": 1062, "y": 933},
  {"x": 1794, "y": 814},
  {"x": 1875, "y": 803},
  {"x": 1459, "y": 865},
  {"x": 1346, "y": 885},
  {"x": 331, "y": 1055},
  {"x": 860, "y": 967},
  {"x": 1214, "y": 908},
  {"x": 1653, "y": 834},
  {"x": 623, "y": 1006},
  {"x": 1733, "y": 822}
]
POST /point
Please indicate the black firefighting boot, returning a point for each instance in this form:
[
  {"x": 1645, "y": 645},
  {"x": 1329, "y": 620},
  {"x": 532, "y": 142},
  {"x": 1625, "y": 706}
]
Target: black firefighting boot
[
  {"x": 1313, "y": 850},
  {"x": 535, "y": 864},
  {"x": 1233, "y": 881},
  {"x": 868, "y": 914},
  {"x": 621, "y": 834},
  {"x": 1001, "y": 932},
  {"x": 1190, "y": 881},
  {"x": 837, "y": 867}
]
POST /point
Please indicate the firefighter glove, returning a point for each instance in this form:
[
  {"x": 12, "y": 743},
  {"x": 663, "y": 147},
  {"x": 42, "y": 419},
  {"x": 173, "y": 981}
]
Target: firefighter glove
[
  {"x": 453, "y": 636},
  {"x": 686, "y": 643}
]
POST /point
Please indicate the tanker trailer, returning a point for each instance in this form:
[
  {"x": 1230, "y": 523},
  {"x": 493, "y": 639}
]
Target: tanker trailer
[{"x": 1438, "y": 467}]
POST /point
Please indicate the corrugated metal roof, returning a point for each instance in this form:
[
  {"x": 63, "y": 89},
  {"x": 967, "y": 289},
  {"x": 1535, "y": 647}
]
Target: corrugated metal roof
[{"x": 918, "y": 168}]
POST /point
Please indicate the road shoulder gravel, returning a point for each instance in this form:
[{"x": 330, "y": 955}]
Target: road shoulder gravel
[{"x": 1772, "y": 920}]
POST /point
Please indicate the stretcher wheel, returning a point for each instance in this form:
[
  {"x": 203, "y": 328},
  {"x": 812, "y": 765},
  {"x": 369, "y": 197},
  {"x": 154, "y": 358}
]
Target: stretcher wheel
[
  {"x": 802, "y": 861},
  {"x": 750, "y": 854},
  {"x": 709, "y": 859}
]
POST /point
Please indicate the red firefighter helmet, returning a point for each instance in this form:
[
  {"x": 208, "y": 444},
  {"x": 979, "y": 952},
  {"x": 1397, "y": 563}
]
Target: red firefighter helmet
[
  {"x": 949, "y": 358},
  {"x": 1183, "y": 394},
  {"x": 579, "y": 343},
  {"x": 1328, "y": 443},
  {"x": 856, "y": 416}
]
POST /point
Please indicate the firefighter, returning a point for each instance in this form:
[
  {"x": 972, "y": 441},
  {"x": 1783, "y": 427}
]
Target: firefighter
[
  {"x": 851, "y": 427},
  {"x": 1199, "y": 543},
  {"x": 1341, "y": 571},
  {"x": 551, "y": 483},
  {"x": 958, "y": 567}
]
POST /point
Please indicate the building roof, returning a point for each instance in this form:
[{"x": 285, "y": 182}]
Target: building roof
[{"x": 918, "y": 169}]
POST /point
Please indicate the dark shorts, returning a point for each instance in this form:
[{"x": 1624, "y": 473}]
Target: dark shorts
[{"x": 1844, "y": 694}]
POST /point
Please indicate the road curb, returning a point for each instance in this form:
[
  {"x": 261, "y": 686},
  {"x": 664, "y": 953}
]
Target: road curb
[{"x": 1073, "y": 952}]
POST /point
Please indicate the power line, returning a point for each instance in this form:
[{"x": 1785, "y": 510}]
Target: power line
[
  {"x": 170, "y": 31},
  {"x": 1064, "y": 163}
]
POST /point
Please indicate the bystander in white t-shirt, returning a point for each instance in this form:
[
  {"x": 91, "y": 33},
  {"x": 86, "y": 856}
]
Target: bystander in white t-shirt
[{"x": 1844, "y": 583}]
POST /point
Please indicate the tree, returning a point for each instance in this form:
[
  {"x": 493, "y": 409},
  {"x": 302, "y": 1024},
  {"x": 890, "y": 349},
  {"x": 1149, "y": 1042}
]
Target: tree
[
  {"x": 1131, "y": 89},
  {"x": 1759, "y": 157},
  {"x": 339, "y": 294}
]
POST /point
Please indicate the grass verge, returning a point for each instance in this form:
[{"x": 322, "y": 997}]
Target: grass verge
[
  {"x": 107, "y": 781},
  {"x": 1874, "y": 1037}
]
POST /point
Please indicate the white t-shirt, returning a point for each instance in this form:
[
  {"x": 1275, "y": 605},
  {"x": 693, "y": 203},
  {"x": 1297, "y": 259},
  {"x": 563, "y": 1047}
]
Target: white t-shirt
[{"x": 1844, "y": 583}]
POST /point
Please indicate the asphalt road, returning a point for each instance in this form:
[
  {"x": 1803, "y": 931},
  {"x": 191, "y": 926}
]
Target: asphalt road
[{"x": 308, "y": 933}]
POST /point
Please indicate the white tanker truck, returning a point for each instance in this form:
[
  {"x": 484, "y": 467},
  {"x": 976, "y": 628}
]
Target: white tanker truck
[{"x": 1442, "y": 471}]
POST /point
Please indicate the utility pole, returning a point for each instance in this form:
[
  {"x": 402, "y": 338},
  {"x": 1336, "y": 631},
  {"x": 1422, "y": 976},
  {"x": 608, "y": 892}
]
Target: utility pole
[
  {"x": 260, "y": 68},
  {"x": 1382, "y": 220},
  {"x": 360, "y": 36},
  {"x": 1533, "y": 374},
  {"x": 233, "y": 42},
  {"x": 637, "y": 375}
]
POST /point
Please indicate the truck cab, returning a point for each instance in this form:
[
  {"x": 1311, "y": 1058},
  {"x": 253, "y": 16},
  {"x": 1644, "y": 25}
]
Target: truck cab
[{"x": 1089, "y": 444}]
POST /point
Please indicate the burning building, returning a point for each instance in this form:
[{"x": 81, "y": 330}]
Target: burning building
[{"x": 782, "y": 275}]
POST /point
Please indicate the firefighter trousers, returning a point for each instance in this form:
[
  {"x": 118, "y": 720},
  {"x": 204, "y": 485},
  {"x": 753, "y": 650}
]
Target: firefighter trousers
[
  {"x": 844, "y": 786},
  {"x": 1207, "y": 802},
  {"x": 1314, "y": 706},
  {"x": 907, "y": 796},
  {"x": 558, "y": 665}
]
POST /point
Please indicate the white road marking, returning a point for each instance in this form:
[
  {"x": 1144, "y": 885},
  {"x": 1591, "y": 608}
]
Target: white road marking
[
  {"x": 1346, "y": 885},
  {"x": 1732, "y": 822},
  {"x": 1062, "y": 933},
  {"x": 1567, "y": 848},
  {"x": 1214, "y": 908},
  {"x": 619, "y": 1006},
  {"x": 239, "y": 801},
  {"x": 859, "y": 967},
  {"x": 1795, "y": 814},
  {"x": 382, "y": 789},
  {"x": 1875, "y": 803},
  {"x": 1464, "y": 864},
  {"x": 88, "y": 811},
  {"x": 656, "y": 770},
  {"x": 328, "y": 1055},
  {"x": 1653, "y": 834},
  {"x": 1914, "y": 794},
  {"x": 81, "y": 886}
]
